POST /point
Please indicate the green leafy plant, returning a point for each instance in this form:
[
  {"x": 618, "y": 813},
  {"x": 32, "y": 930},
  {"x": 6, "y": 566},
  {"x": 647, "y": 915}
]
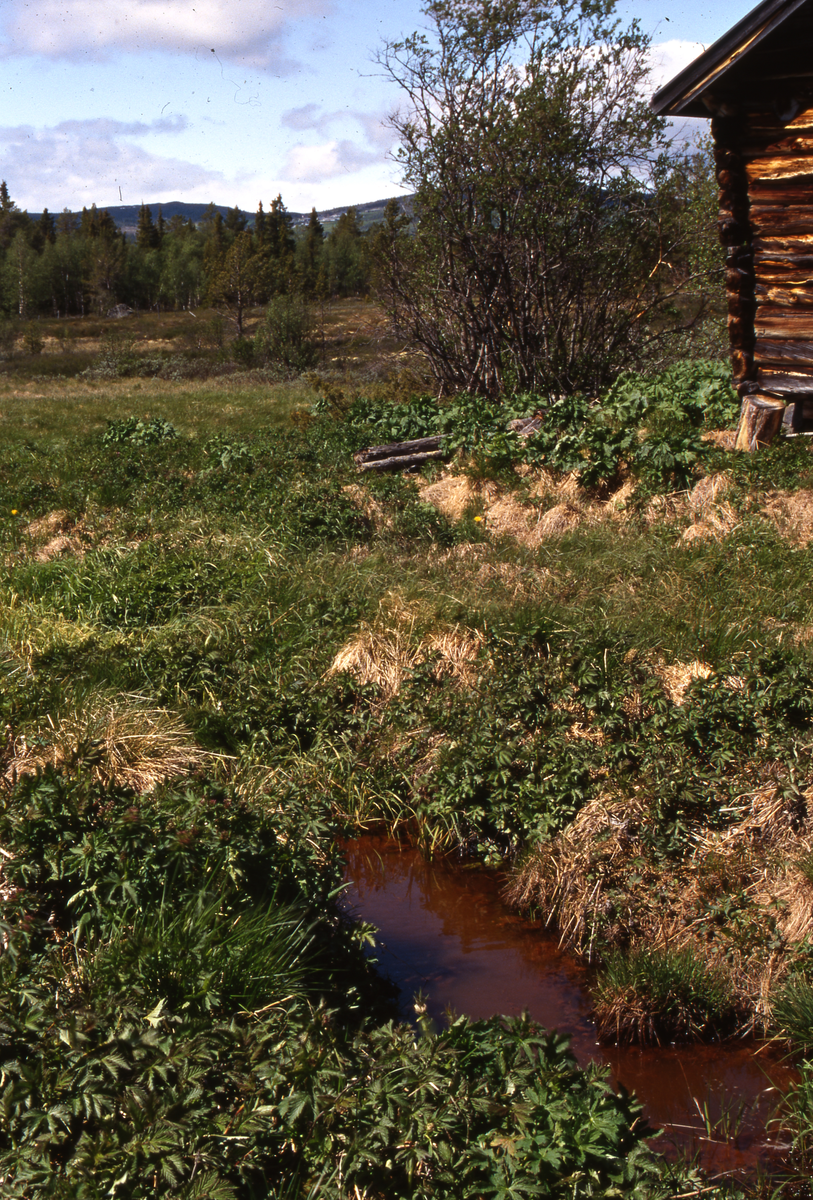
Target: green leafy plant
[{"x": 136, "y": 431}]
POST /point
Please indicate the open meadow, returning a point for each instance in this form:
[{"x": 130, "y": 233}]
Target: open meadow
[{"x": 584, "y": 657}]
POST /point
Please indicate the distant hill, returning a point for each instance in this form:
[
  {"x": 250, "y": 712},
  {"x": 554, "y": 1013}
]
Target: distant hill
[{"x": 126, "y": 215}]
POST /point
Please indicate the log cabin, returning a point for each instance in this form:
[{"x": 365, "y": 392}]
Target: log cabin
[{"x": 756, "y": 85}]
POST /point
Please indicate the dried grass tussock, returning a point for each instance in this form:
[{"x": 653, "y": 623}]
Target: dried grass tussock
[
  {"x": 712, "y": 516},
  {"x": 677, "y": 677},
  {"x": 384, "y": 653},
  {"x": 367, "y": 505},
  {"x": 53, "y": 536},
  {"x": 598, "y": 884},
  {"x": 505, "y": 514},
  {"x": 792, "y": 514},
  {"x": 128, "y": 744}
]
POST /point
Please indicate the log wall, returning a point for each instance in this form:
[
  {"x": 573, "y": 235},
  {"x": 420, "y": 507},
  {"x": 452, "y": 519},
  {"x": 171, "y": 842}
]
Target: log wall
[{"x": 765, "y": 174}]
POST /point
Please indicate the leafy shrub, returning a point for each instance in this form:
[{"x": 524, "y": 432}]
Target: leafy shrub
[
  {"x": 33, "y": 342},
  {"x": 661, "y": 995},
  {"x": 116, "y": 357},
  {"x": 135, "y": 431},
  {"x": 286, "y": 335},
  {"x": 651, "y": 427}
]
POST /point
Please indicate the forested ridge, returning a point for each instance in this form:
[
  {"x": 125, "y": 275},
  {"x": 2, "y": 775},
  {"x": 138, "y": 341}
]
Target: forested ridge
[{"x": 79, "y": 264}]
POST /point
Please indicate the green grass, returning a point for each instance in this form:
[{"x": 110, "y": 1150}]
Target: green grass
[{"x": 215, "y": 575}]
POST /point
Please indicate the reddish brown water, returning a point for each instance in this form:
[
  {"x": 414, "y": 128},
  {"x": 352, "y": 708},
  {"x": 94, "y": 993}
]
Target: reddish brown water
[{"x": 446, "y": 933}]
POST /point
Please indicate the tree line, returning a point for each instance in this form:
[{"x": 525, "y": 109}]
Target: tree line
[
  {"x": 78, "y": 264},
  {"x": 557, "y": 235}
]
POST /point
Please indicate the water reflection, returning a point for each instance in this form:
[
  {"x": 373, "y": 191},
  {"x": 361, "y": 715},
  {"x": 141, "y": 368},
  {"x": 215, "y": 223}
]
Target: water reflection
[{"x": 446, "y": 933}]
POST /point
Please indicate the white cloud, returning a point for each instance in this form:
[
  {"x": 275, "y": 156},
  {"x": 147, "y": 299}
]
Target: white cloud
[
  {"x": 668, "y": 58},
  {"x": 93, "y": 160},
  {"x": 311, "y": 164},
  {"x": 248, "y": 30}
]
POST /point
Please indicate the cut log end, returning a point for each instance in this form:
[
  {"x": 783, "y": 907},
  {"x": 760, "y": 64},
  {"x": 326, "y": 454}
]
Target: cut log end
[{"x": 760, "y": 421}]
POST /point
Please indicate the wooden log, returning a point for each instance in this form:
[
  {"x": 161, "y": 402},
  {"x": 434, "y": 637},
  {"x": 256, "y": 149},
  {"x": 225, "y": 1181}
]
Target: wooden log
[
  {"x": 790, "y": 324},
  {"x": 781, "y": 222},
  {"x": 393, "y": 449},
  {"x": 771, "y": 260},
  {"x": 780, "y": 167},
  {"x": 740, "y": 304},
  {"x": 402, "y": 462},
  {"x": 740, "y": 333},
  {"x": 800, "y": 244},
  {"x": 726, "y": 158},
  {"x": 792, "y": 280},
  {"x": 742, "y": 365},
  {"x": 778, "y": 383},
  {"x": 738, "y": 280},
  {"x": 783, "y": 353},
  {"x": 766, "y": 194},
  {"x": 788, "y": 297},
  {"x": 760, "y": 421},
  {"x": 768, "y": 147},
  {"x": 729, "y": 181},
  {"x": 732, "y": 233}
]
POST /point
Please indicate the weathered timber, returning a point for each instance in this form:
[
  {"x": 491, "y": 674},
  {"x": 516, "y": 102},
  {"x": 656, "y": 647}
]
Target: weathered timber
[
  {"x": 767, "y": 260},
  {"x": 731, "y": 233},
  {"x": 740, "y": 332},
  {"x": 402, "y": 462},
  {"x": 776, "y": 195},
  {"x": 780, "y": 167},
  {"x": 790, "y": 325},
  {"x": 789, "y": 297},
  {"x": 402, "y": 456},
  {"x": 760, "y": 421},
  {"x": 778, "y": 383},
  {"x": 742, "y": 366},
  {"x": 781, "y": 221},
  {"x": 781, "y": 353},
  {"x": 417, "y": 445},
  {"x": 740, "y": 305},
  {"x": 780, "y": 148},
  {"x": 735, "y": 277},
  {"x": 800, "y": 244}
]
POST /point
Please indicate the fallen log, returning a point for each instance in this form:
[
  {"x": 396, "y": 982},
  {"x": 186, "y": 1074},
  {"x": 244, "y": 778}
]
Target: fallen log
[
  {"x": 403, "y": 456},
  {"x": 395, "y": 449},
  {"x": 402, "y": 462}
]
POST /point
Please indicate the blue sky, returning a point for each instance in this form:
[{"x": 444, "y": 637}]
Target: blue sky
[{"x": 227, "y": 100}]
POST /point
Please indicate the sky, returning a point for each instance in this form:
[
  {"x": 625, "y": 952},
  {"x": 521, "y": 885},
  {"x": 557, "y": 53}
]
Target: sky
[{"x": 234, "y": 101}]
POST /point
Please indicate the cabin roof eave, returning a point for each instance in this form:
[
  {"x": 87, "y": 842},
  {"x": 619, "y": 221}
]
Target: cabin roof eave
[{"x": 683, "y": 95}]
